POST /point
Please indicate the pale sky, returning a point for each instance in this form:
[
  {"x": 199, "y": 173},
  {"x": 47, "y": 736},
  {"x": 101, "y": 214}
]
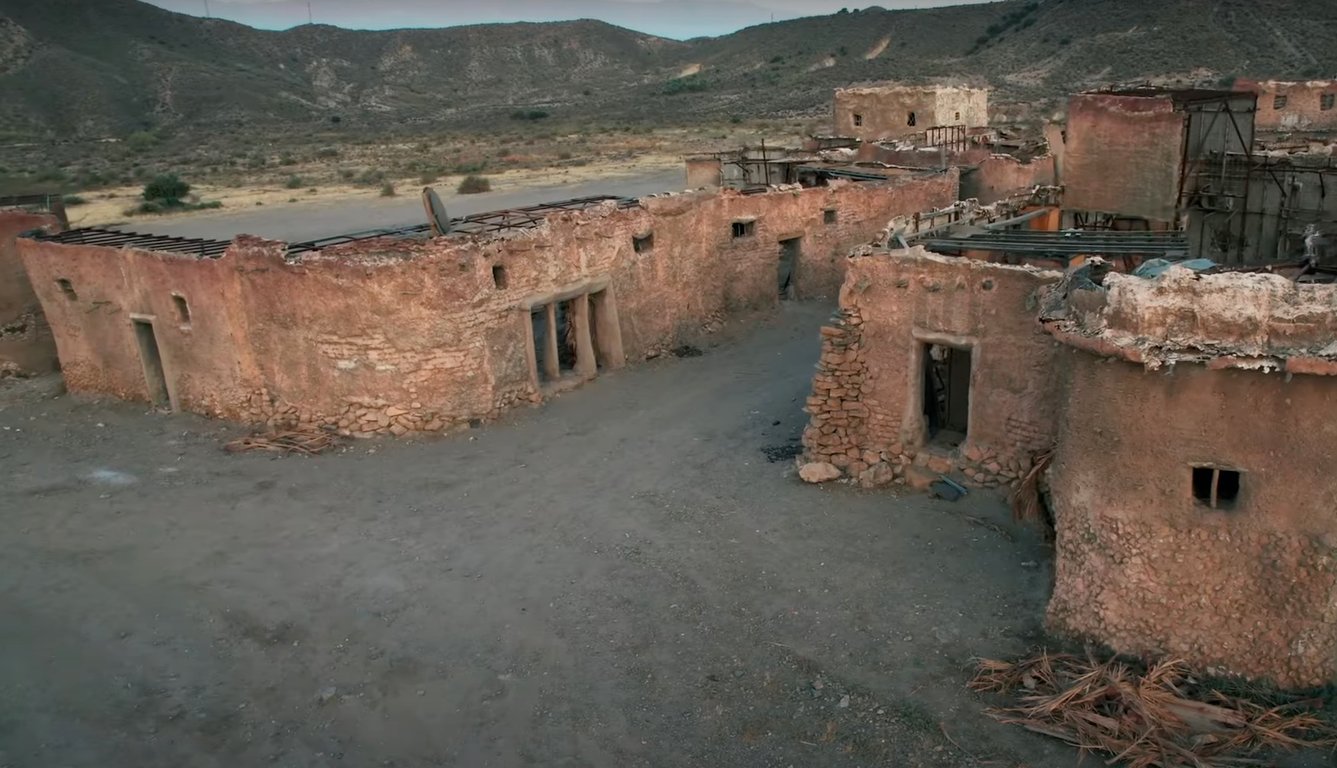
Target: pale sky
[{"x": 669, "y": 18}]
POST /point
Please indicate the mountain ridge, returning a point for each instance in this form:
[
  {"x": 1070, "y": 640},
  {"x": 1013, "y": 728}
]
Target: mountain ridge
[{"x": 95, "y": 68}]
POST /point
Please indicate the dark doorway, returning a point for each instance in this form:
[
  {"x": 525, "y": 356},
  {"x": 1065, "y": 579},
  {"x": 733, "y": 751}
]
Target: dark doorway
[
  {"x": 538, "y": 318},
  {"x": 567, "y": 339},
  {"x": 946, "y": 394},
  {"x": 151, "y": 356},
  {"x": 789, "y": 253}
]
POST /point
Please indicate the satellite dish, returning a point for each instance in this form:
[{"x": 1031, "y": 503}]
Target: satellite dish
[{"x": 437, "y": 217}]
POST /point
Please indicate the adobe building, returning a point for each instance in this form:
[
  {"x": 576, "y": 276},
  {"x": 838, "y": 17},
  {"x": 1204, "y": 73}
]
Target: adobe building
[
  {"x": 1310, "y": 105},
  {"x": 1191, "y": 486},
  {"x": 1185, "y": 417},
  {"x": 405, "y": 332},
  {"x": 26, "y": 344},
  {"x": 890, "y": 110}
]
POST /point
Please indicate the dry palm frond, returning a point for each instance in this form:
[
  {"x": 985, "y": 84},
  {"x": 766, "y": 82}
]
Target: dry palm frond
[
  {"x": 1157, "y": 718},
  {"x": 290, "y": 441},
  {"x": 1026, "y": 503}
]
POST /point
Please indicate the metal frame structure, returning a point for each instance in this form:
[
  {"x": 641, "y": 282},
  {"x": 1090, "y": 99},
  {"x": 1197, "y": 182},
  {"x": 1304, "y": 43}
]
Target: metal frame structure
[
  {"x": 1226, "y": 184},
  {"x": 53, "y": 203},
  {"x": 112, "y": 238},
  {"x": 952, "y": 138},
  {"x": 1067, "y": 243}
]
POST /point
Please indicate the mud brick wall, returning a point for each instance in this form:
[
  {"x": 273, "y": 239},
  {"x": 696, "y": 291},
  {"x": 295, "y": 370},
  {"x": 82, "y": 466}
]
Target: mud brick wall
[
  {"x": 394, "y": 336},
  {"x": 1145, "y": 568},
  {"x": 26, "y": 344},
  {"x": 866, "y": 403},
  {"x": 1303, "y": 108},
  {"x": 1122, "y": 155}
]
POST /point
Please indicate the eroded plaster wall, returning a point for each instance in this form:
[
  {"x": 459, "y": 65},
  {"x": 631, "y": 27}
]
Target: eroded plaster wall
[
  {"x": 866, "y": 405},
  {"x": 26, "y": 345},
  {"x": 1144, "y": 568},
  {"x": 399, "y": 336},
  {"x": 1309, "y": 105},
  {"x": 1001, "y": 176},
  {"x": 1122, "y": 155}
]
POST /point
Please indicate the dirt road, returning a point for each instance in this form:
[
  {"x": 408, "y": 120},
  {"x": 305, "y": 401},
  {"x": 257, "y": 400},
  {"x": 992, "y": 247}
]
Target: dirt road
[
  {"x": 620, "y": 578},
  {"x": 308, "y": 221}
]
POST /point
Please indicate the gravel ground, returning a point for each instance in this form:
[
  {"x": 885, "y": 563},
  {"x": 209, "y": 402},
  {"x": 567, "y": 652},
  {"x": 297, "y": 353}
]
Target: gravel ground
[{"x": 623, "y": 577}]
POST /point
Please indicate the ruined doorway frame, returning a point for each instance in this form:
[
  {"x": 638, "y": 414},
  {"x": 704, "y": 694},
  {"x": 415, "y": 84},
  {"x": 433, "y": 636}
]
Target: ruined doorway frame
[
  {"x": 914, "y": 426},
  {"x": 153, "y": 362},
  {"x": 582, "y": 298}
]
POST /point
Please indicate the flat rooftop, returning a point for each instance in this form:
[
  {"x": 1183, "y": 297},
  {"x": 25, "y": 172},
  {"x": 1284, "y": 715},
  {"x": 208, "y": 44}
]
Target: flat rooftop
[{"x": 490, "y": 222}]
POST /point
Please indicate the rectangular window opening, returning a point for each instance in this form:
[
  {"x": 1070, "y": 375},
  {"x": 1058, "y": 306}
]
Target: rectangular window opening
[
  {"x": 182, "y": 308},
  {"x": 1216, "y": 488},
  {"x": 744, "y": 229},
  {"x": 643, "y": 243},
  {"x": 829, "y": 216},
  {"x": 858, "y": 121},
  {"x": 1327, "y": 101},
  {"x": 498, "y": 276},
  {"x": 1279, "y": 101},
  {"x": 67, "y": 288},
  {"x": 946, "y": 394}
]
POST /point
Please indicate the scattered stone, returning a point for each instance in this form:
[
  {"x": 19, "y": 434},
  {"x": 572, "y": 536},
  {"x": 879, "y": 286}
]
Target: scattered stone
[
  {"x": 919, "y": 478},
  {"x": 818, "y": 472}
]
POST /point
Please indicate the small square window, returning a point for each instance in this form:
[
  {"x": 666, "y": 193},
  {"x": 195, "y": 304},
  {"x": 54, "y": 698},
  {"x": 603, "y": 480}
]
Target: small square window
[
  {"x": 643, "y": 244},
  {"x": 744, "y": 229},
  {"x": 858, "y": 121},
  {"x": 499, "y": 276},
  {"x": 1326, "y": 101},
  {"x": 1279, "y": 101},
  {"x": 1216, "y": 488},
  {"x": 67, "y": 288},
  {"x": 829, "y": 216},
  {"x": 182, "y": 308}
]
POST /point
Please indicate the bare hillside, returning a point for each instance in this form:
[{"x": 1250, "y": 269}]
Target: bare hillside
[{"x": 91, "y": 68}]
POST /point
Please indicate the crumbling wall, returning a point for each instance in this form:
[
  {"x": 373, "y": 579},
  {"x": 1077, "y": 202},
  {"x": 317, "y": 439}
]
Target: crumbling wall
[
  {"x": 1309, "y": 105},
  {"x": 704, "y": 172},
  {"x": 399, "y": 335},
  {"x": 1001, "y": 176},
  {"x": 1123, "y": 155},
  {"x": 26, "y": 345},
  {"x": 1144, "y": 568},
  {"x": 867, "y": 401}
]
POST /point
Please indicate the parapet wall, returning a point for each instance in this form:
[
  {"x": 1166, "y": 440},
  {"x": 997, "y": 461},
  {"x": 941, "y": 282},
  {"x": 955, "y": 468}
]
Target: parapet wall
[
  {"x": 26, "y": 345},
  {"x": 398, "y": 336}
]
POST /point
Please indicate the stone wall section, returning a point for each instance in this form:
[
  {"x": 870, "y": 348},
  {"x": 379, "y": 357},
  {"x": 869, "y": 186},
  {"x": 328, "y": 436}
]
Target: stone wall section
[{"x": 865, "y": 420}]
